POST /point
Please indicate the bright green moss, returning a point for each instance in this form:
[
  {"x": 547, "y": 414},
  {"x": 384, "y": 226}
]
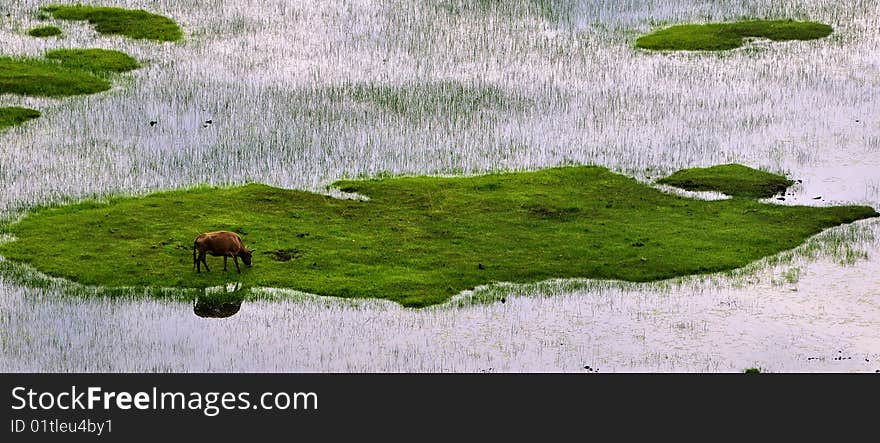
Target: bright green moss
[
  {"x": 418, "y": 240},
  {"x": 137, "y": 24},
  {"x": 12, "y": 116},
  {"x": 722, "y": 36},
  {"x": 733, "y": 180}
]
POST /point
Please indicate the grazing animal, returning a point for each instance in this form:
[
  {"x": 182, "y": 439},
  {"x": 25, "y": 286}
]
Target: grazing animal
[{"x": 221, "y": 243}]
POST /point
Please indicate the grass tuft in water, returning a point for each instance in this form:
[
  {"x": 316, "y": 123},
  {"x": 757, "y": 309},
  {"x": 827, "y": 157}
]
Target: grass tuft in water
[
  {"x": 45, "y": 31},
  {"x": 732, "y": 179},
  {"x": 46, "y": 78},
  {"x": 99, "y": 61},
  {"x": 13, "y": 116},
  {"x": 133, "y": 23},
  {"x": 723, "y": 36}
]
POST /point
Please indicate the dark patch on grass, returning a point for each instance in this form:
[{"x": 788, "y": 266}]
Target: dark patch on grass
[
  {"x": 723, "y": 36},
  {"x": 551, "y": 212},
  {"x": 45, "y": 31},
  {"x": 733, "y": 179},
  {"x": 46, "y": 78},
  {"x": 286, "y": 254},
  {"x": 13, "y": 116},
  {"x": 99, "y": 61},
  {"x": 752, "y": 371},
  {"x": 418, "y": 240},
  {"x": 133, "y": 23}
]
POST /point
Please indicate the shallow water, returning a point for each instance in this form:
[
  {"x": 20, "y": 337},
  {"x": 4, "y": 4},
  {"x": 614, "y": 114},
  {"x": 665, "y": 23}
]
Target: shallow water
[
  {"x": 822, "y": 322},
  {"x": 261, "y": 71}
]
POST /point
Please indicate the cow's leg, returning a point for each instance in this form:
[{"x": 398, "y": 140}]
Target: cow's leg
[
  {"x": 235, "y": 259},
  {"x": 225, "y": 257},
  {"x": 204, "y": 261}
]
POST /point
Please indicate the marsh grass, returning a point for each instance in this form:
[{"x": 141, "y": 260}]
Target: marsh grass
[
  {"x": 421, "y": 100},
  {"x": 14, "y": 115},
  {"x": 418, "y": 240},
  {"x": 133, "y": 23},
  {"x": 552, "y": 10},
  {"x": 723, "y": 36}
]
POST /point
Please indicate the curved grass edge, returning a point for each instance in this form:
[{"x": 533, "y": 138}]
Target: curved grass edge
[
  {"x": 44, "y": 31},
  {"x": 837, "y": 244},
  {"x": 46, "y": 78},
  {"x": 845, "y": 245},
  {"x": 95, "y": 60},
  {"x": 729, "y": 35},
  {"x": 543, "y": 215},
  {"x": 14, "y": 116},
  {"x": 137, "y": 24},
  {"x": 732, "y": 179}
]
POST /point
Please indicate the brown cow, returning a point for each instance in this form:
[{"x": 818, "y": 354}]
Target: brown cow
[{"x": 221, "y": 243}]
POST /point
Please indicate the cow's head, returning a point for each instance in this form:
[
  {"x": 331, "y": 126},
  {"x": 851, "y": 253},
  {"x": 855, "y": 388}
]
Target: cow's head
[{"x": 246, "y": 256}]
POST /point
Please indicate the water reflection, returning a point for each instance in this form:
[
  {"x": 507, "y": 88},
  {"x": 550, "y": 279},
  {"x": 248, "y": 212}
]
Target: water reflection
[{"x": 222, "y": 303}]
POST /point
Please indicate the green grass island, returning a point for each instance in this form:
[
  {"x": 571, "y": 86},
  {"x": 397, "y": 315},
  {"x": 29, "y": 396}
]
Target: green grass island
[
  {"x": 98, "y": 61},
  {"x": 14, "y": 116},
  {"x": 44, "y": 31},
  {"x": 725, "y": 36},
  {"x": 71, "y": 72},
  {"x": 63, "y": 73},
  {"x": 46, "y": 78},
  {"x": 133, "y": 23},
  {"x": 731, "y": 179},
  {"x": 419, "y": 240}
]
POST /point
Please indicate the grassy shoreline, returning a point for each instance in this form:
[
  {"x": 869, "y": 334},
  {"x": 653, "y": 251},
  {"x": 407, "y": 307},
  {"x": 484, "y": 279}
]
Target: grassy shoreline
[{"x": 418, "y": 240}]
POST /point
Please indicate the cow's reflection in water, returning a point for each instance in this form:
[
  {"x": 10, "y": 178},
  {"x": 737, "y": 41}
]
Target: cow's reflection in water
[{"x": 218, "y": 305}]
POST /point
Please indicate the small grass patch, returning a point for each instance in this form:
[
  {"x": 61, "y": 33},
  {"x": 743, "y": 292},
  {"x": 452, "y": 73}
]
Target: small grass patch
[
  {"x": 45, "y": 31},
  {"x": 723, "y": 36},
  {"x": 418, "y": 100},
  {"x": 12, "y": 116},
  {"x": 733, "y": 180},
  {"x": 136, "y": 24},
  {"x": 417, "y": 240},
  {"x": 99, "y": 61},
  {"x": 46, "y": 78}
]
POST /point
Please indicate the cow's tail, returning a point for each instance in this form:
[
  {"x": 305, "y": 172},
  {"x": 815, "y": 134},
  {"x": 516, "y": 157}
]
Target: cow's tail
[{"x": 195, "y": 246}]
